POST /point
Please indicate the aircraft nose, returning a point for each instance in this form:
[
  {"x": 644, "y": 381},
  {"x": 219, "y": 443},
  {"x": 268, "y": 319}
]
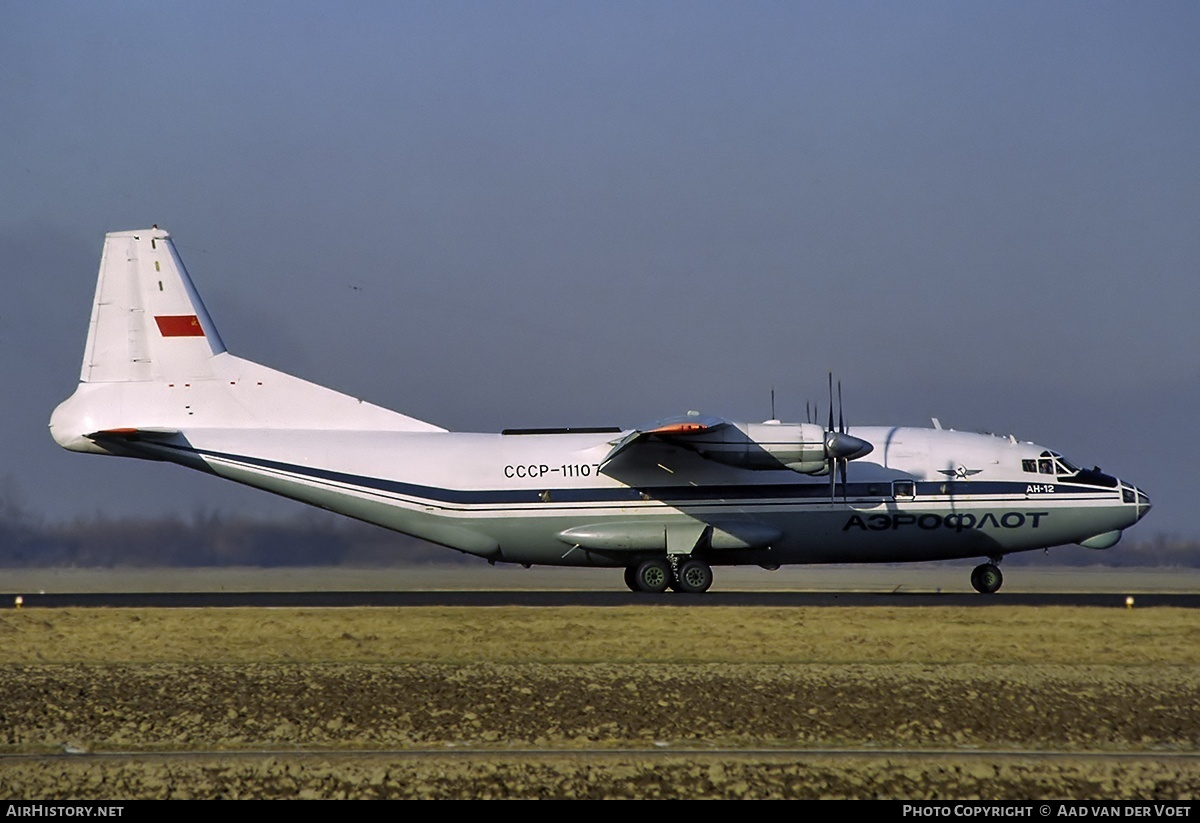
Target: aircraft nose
[
  {"x": 1132, "y": 494},
  {"x": 1143, "y": 503}
]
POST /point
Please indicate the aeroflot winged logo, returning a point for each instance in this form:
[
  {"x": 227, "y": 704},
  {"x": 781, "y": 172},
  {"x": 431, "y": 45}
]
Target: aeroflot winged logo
[
  {"x": 179, "y": 325},
  {"x": 961, "y": 473}
]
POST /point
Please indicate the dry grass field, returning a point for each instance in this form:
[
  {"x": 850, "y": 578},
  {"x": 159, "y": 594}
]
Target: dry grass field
[{"x": 638, "y": 702}]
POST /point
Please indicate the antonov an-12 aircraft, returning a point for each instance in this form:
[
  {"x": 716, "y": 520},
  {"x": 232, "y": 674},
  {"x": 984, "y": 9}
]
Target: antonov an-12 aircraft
[{"x": 665, "y": 502}]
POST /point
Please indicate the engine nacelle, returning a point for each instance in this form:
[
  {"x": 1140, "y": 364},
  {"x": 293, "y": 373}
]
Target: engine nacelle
[{"x": 802, "y": 447}]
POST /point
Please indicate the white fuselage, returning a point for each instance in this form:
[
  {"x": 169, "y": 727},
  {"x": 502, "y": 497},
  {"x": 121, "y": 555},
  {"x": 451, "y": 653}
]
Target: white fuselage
[{"x": 922, "y": 494}]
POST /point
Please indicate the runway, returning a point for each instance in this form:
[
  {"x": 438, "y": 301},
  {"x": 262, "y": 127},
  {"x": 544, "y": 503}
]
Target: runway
[
  {"x": 481, "y": 586},
  {"x": 597, "y": 599}
]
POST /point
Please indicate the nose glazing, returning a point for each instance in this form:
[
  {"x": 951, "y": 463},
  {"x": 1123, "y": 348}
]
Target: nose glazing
[{"x": 1132, "y": 494}]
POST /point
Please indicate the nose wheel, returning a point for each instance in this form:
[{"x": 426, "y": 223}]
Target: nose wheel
[{"x": 986, "y": 578}]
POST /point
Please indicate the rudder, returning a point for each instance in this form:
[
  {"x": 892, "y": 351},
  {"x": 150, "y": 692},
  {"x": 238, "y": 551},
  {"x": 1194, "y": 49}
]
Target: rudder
[{"x": 148, "y": 322}]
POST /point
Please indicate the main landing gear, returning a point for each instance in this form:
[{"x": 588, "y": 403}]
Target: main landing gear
[
  {"x": 688, "y": 575},
  {"x": 986, "y": 578}
]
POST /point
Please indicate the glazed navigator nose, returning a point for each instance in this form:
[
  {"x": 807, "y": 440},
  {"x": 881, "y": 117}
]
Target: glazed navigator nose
[
  {"x": 1132, "y": 495},
  {"x": 1143, "y": 503}
]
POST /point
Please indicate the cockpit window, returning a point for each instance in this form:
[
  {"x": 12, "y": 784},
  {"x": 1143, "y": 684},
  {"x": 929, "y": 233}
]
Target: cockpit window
[
  {"x": 1065, "y": 466},
  {"x": 1050, "y": 463}
]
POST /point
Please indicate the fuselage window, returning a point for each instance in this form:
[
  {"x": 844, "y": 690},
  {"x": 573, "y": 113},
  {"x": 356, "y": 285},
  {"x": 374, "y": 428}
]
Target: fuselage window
[
  {"x": 1029, "y": 466},
  {"x": 903, "y": 489}
]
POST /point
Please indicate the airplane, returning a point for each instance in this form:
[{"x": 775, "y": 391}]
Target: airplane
[{"x": 666, "y": 502}]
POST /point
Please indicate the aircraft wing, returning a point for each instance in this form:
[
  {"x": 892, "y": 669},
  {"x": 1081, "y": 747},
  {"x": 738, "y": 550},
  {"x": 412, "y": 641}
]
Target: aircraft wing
[{"x": 674, "y": 430}]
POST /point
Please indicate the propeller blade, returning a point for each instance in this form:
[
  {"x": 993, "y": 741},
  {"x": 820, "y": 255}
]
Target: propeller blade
[
  {"x": 829, "y": 439},
  {"x": 841, "y": 420},
  {"x": 842, "y": 432},
  {"x": 830, "y": 426}
]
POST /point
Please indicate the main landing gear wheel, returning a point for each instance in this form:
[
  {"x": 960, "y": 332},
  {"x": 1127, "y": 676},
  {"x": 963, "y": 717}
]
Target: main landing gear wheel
[
  {"x": 987, "y": 578},
  {"x": 650, "y": 576},
  {"x": 631, "y": 578},
  {"x": 695, "y": 576}
]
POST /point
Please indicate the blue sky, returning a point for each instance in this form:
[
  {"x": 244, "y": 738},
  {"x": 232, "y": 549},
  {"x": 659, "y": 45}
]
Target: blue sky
[{"x": 519, "y": 214}]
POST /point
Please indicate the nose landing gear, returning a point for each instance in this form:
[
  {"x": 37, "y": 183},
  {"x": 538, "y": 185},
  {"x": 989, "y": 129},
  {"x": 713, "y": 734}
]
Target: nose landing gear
[{"x": 986, "y": 578}]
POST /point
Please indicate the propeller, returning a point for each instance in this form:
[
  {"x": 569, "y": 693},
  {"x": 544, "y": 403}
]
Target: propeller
[
  {"x": 841, "y": 447},
  {"x": 831, "y": 444}
]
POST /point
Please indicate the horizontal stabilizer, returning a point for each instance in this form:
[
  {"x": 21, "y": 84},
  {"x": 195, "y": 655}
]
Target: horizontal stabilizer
[{"x": 136, "y": 434}]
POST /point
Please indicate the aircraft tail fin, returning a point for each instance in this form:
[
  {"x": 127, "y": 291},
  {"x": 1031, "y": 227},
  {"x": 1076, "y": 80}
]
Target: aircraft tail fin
[
  {"x": 148, "y": 322},
  {"x": 155, "y": 362}
]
